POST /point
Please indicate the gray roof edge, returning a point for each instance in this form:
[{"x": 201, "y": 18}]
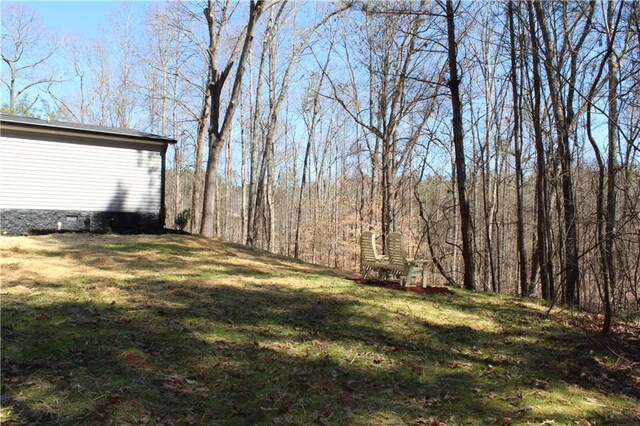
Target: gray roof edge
[{"x": 83, "y": 128}]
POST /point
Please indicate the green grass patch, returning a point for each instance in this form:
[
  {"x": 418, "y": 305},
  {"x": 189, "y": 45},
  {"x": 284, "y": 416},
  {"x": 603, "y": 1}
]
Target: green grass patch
[{"x": 184, "y": 330}]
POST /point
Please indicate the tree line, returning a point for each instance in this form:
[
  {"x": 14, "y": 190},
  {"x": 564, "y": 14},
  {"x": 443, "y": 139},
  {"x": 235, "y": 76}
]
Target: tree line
[{"x": 501, "y": 138}]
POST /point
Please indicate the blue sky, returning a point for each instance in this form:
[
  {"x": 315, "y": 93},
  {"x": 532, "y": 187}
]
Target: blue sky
[{"x": 86, "y": 18}]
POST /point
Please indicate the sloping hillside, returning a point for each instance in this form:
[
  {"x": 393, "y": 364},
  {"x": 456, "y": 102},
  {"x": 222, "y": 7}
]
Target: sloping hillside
[{"x": 186, "y": 330}]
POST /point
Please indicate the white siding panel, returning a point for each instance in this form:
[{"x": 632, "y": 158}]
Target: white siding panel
[{"x": 59, "y": 175}]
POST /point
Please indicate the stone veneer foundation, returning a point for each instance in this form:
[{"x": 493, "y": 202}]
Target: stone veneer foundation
[{"x": 20, "y": 222}]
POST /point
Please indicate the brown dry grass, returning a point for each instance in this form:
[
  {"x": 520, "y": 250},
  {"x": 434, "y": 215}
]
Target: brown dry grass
[{"x": 47, "y": 260}]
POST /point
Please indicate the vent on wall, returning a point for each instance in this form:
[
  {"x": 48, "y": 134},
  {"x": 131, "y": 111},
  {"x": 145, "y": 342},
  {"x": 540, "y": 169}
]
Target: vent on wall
[{"x": 72, "y": 218}]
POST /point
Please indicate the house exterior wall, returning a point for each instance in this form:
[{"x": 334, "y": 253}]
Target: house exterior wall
[{"x": 53, "y": 181}]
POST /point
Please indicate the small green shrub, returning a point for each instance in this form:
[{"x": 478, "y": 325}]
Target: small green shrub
[{"x": 182, "y": 219}]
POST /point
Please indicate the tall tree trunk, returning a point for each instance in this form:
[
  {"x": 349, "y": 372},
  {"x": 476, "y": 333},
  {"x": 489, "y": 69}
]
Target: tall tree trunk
[
  {"x": 489, "y": 276},
  {"x": 458, "y": 140},
  {"x": 612, "y": 166},
  {"x": 542, "y": 260},
  {"x": 228, "y": 194},
  {"x": 270, "y": 190},
  {"x": 305, "y": 163},
  {"x": 219, "y": 132},
  {"x": 565, "y": 117},
  {"x": 252, "y": 215},
  {"x": 493, "y": 221},
  {"x": 178, "y": 187},
  {"x": 243, "y": 177},
  {"x": 198, "y": 177},
  {"x": 517, "y": 142},
  {"x": 386, "y": 218},
  {"x": 601, "y": 219}
]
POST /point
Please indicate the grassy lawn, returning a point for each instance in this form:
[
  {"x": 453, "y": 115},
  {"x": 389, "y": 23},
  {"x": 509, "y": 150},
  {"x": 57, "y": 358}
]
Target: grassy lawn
[{"x": 185, "y": 330}]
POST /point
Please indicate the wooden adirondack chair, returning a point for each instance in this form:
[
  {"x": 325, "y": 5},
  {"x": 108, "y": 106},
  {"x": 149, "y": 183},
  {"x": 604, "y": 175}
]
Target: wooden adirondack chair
[
  {"x": 371, "y": 260},
  {"x": 405, "y": 267}
]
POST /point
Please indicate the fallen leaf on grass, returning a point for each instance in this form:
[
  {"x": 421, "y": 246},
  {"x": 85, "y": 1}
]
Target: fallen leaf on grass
[
  {"x": 429, "y": 422},
  {"x": 184, "y": 386},
  {"x": 541, "y": 384},
  {"x": 347, "y": 400},
  {"x": 190, "y": 420},
  {"x": 37, "y": 363},
  {"x": 46, "y": 409},
  {"x": 287, "y": 419},
  {"x": 234, "y": 408},
  {"x": 165, "y": 420},
  {"x": 133, "y": 358},
  {"x": 523, "y": 410},
  {"x": 320, "y": 418},
  {"x": 432, "y": 402},
  {"x": 499, "y": 420}
]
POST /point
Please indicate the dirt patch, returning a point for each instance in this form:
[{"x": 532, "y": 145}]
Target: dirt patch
[
  {"x": 133, "y": 358},
  {"x": 396, "y": 286}
]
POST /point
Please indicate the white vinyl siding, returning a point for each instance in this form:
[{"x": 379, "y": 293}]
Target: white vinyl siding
[{"x": 71, "y": 175}]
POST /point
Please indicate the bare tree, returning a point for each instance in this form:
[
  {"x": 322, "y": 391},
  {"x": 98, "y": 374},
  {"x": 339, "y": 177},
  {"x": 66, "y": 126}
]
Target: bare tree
[
  {"x": 561, "y": 56},
  {"x": 26, "y": 52},
  {"x": 458, "y": 141},
  {"x": 310, "y": 123},
  {"x": 606, "y": 204},
  {"x": 517, "y": 143},
  {"x": 394, "y": 111},
  {"x": 75, "y": 106},
  {"x": 542, "y": 259},
  {"x": 220, "y": 119},
  {"x": 198, "y": 176},
  {"x": 278, "y": 91}
]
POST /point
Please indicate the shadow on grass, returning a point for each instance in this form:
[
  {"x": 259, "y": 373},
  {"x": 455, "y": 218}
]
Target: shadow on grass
[
  {"x": 78, "y": 352},
  {"x": 190, "y": 353}
]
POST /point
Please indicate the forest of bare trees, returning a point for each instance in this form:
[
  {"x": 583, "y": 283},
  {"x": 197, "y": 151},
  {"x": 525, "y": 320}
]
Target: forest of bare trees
[{"x": 501, "y": 138}]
